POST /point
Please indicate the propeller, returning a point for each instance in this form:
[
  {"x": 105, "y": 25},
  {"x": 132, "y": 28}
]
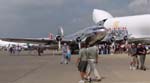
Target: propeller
[
  {"x": 125, "y": 38},
  {"x": 59, "y": 37},
  {"x": 112, "y": 39}
]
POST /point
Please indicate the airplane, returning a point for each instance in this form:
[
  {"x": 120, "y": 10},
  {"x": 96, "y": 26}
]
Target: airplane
[
  {"x": 6, "y": 45},
  {"x": 89, "y": 35},
  {"x": 108, "y": 29},
  {"x": 138, "y": 26}
]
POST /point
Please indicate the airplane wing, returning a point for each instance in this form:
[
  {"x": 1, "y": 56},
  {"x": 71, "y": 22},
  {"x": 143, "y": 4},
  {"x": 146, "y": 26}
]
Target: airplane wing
[
  {"x": 34, "y": 40},
  {"x": 145, "y": 40}
]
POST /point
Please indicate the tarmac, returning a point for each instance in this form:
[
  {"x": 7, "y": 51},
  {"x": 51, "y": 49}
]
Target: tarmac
[{"x": 27, "y": 67}]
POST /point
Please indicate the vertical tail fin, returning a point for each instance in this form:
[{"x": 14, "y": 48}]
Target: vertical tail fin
[
  {"x": 100, "y": 15},
  {"x": 51, "y": 36}
]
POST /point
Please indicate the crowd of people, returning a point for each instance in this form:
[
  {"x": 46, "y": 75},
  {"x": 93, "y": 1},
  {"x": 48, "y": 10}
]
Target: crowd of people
[
  {"x": 136, "y": 52},
  {"x": 14, "y": 49},
  {"x": 17, "y": 49},
  {"x": 88, "y": 58},
  {"x": 105, "y": 49}
]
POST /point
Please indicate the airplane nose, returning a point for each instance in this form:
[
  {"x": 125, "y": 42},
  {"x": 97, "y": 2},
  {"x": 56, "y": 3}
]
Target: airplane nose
[
  {"x": 101, "y": 32},
  {"x": 99, "y": 35}
]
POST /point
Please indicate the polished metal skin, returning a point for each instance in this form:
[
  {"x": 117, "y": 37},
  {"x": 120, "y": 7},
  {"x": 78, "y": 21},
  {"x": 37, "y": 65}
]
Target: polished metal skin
[{"x": 97, "y": 36}]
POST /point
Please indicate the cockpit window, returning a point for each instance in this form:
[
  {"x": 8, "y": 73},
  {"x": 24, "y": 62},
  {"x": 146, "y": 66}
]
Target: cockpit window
[{"x": 101, "y": 23}]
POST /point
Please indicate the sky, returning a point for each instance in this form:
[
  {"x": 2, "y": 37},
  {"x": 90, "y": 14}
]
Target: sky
[{"x": 37, "y": 18}]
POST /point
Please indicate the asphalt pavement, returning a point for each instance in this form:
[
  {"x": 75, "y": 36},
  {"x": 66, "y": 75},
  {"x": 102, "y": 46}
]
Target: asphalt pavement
[{"x": 28, "y": 67}]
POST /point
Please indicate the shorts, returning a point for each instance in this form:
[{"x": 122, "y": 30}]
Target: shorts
[{"x": 82, "y": 66}]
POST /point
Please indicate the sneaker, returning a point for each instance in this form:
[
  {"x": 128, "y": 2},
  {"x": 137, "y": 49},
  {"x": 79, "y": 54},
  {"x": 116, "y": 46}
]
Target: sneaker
[
  {"x": 99, "y": 79},
  {"x": 81, "y": 81}
]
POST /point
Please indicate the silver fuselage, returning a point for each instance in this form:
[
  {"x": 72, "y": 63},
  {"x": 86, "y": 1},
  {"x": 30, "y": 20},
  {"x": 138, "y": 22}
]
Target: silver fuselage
[{"x": 89, "y": 35}]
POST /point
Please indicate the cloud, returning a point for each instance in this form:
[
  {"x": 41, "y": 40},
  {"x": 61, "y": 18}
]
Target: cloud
[
  {"x": 28, "y": 18},
  {"x": 95, "y": 2},
  {"x": 38, "y": 2},
  {"x": 140, "y": 6},
  {"x": 36, "y": 18}
]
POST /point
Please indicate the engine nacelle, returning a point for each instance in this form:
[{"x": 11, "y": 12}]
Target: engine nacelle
[
  {"x": 58, "y": 38},
  {"x": 111, "y": 40},
  {"x": 125, "y": 38},
  {"x": 60, "y": 34},
  {"x": 78, "y": 39}
]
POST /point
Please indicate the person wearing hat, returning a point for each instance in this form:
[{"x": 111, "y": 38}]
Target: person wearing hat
[{"x": 141, "y": 51}]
